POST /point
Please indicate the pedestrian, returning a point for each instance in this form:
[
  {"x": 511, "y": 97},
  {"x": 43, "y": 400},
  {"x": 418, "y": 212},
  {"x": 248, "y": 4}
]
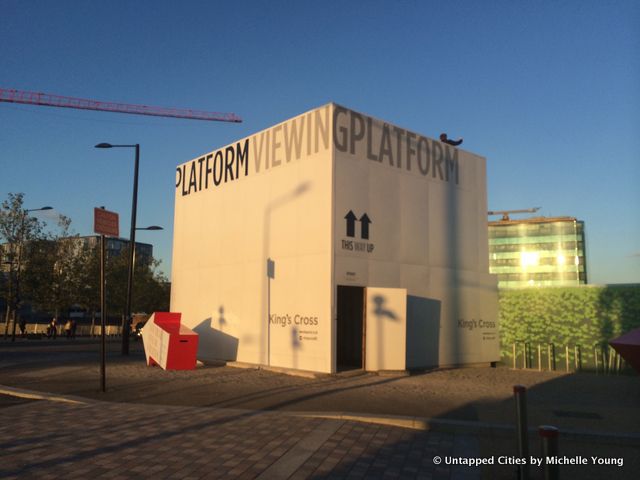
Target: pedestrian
[
  {"x": 67, "y": 328},
  {"x": 447, "y": 140},
  {"x": 52, "y": 330},
  {"x": 74, "y": 324},
  {"x": 23, "y": 327}
]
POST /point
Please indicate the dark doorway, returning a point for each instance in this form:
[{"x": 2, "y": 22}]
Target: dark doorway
[{"x": 350, "y": 322}]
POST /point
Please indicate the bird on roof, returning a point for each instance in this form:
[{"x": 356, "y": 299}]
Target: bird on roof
[{"x": 445, "y": 139}]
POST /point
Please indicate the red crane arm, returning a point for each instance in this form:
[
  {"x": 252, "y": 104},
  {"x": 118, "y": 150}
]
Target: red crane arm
[{"x": 49, "y": 100}]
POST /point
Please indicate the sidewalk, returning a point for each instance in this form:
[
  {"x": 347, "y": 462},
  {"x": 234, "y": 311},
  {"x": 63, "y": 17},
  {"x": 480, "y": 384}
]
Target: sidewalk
[
  {"x": 224, "y": 422},
  {"x": 51, "y": 436},
  {"x": 50, "y": 440}
]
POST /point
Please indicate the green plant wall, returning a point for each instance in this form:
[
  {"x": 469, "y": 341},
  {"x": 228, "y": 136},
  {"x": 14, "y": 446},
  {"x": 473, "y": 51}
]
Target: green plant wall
[{"x": 585, "y": 316}]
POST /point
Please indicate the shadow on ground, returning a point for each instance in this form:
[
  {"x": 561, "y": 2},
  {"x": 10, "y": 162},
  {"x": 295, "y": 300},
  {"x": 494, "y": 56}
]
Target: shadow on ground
[{"x": 587, "y": 402}]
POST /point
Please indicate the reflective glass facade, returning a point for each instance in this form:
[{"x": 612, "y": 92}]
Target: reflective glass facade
[{"x": 538, "y": 252}]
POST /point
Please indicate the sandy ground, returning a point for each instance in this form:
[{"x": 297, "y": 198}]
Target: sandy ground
[{"x": 577, "y": 401}]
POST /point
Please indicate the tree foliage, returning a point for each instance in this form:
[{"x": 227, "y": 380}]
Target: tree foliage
[
  {"x": 59, "y": 269},
  {"x": 15, "y": 225},
  {"x": 56, "y": 274},
  {"x": 150, "y": 288},
  {"x": 17, "y": 229}
]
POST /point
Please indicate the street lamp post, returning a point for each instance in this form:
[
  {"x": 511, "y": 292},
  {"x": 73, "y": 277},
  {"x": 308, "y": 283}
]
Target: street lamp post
[
  {"x": 19, "y": 265},
  {"x": 126, "y": 321},
  {"x": 133, "y": 247}
]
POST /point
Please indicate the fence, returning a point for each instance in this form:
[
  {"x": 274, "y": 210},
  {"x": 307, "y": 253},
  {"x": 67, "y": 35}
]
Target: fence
[
  {"x": 81, "y": 330},
  {"x": 600, "y": 359}
]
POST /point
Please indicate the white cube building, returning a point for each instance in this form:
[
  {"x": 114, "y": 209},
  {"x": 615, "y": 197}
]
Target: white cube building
[{"x": 335, "y": 240}]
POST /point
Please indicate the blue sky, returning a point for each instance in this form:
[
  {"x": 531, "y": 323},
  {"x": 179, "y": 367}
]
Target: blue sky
[{"x": 548, "y": 92}]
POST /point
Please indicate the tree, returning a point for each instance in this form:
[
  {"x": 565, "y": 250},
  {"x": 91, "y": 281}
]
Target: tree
[
  {"x": 150, "y": 288},
  {"x": 6, "y": 283},
  {"x": 16, "y": 230},
  {"x": 88, "y": 293},
  {"x": 56, "y": 269}
]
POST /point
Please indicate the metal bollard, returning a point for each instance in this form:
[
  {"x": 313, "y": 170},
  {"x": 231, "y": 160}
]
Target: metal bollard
[
  {"x": 539, "y": 358},
  {"x": 612, "y": 357},
  {"x": 549, "y": 448},
  {"x": 520, "y": 394}
]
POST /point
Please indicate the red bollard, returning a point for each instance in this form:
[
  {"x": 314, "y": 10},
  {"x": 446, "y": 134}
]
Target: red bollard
[{"x": 549, "y": 448}]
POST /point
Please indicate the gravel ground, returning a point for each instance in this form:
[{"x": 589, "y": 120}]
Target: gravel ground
[
  {"x": 585, "y": 402},
  {"x": 578, "y": 401}
]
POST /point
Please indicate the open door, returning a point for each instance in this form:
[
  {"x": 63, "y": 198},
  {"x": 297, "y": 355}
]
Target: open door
[
  {"x": 350, "y": 322},
  {"x": 386, "y": 329}
]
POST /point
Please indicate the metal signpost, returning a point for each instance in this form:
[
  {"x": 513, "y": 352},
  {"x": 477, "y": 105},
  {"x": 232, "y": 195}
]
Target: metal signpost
[{"x": 105, "y": 223}]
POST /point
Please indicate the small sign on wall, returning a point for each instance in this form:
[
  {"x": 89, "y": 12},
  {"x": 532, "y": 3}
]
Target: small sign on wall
[
  {"x": 351, "y": 276},
  {"x": 351, "y": 242}
]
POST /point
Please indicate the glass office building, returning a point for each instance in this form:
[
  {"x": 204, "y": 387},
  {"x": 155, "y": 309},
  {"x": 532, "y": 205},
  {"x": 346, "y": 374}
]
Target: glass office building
[
  {"x": 538, "y": 252},
  {"x": 115, "y": 247}
]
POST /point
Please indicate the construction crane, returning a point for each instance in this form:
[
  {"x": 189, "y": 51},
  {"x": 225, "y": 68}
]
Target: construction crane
[
  {"x": 505, "y": 213},
  {"x": 49, "y": 100}
]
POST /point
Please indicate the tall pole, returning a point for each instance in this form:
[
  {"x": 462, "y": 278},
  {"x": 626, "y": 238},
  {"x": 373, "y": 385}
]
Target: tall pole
[
  {"x": 126, "y": 324},
  {"x": 103, "y": 317}
]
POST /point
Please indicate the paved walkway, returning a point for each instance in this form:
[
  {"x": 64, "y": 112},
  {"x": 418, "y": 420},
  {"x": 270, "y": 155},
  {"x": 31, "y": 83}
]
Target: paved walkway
[
  {"x": 57, "y": 435},
  {"x": 50, "y": 439},
  {"x": 222, "y": 422}
]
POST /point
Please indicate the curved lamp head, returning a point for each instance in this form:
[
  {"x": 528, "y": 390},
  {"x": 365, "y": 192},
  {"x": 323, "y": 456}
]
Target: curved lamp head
[
  {"x": 103, "y": 145},
  {"x": 38, "y": 209},
  {"x": 152, "y": 227}
]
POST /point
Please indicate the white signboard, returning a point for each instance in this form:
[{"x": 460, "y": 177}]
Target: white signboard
[{"x": 156, "y": 343}]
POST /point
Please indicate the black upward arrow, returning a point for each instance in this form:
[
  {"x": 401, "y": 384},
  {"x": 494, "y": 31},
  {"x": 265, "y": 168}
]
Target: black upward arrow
[
  {"x": 364, "y": 226},
  {"x": 351, "y": 224}
]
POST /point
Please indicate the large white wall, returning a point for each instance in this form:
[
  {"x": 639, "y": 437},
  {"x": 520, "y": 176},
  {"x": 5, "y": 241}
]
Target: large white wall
[
  {"x": 226, "y": 235},
  {"x": 427, "y": 205}
]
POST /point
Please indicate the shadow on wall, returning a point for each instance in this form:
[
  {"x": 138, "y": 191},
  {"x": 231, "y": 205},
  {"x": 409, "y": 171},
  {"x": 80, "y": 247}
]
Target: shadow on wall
[
  {"x": 215, "y": 344},
  {"x": 380, "y": 309},
  {"x": 452, "y": 207},
  {"x": 382, "y": 313},
  {"x": 618, "y": 311},
  {"x": 265, "y": 325},
  {"x": 296, "y": 345},
  {"x": 423, "y": 331}
]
